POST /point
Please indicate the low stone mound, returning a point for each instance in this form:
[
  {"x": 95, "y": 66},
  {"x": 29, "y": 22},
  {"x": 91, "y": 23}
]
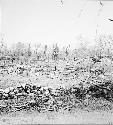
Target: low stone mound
[{"x": 42, "y": 99}]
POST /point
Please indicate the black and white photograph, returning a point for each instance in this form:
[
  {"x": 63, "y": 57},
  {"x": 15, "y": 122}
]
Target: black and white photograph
[{"x": 56, "y": 62}]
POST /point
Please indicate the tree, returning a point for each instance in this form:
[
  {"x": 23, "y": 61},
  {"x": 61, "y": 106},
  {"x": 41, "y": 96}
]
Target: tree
[
  {"x": 104, "y": 46},
  {"x": 55, "y": 53},
  {"x": 20, "y": 48},
  {"x": 29, "y": 53},
  {"x": 3, "y": 47}
]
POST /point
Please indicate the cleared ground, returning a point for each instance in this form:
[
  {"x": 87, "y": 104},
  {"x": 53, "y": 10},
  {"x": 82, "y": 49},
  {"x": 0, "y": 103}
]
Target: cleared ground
[
  {"x": 78, "y": 117},
  {"x": 53, "y": 80}
]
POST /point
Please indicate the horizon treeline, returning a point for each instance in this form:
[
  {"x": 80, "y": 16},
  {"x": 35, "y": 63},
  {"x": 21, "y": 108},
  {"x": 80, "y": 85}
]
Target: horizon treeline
[{"x": 103, "y": 47}]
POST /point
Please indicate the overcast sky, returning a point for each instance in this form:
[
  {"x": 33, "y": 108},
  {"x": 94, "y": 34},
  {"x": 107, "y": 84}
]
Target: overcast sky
[{"x": 48, "y": 21}]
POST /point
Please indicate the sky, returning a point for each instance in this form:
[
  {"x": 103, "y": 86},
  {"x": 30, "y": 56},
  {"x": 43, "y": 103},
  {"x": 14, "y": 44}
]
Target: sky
[
  {"x": 0, "y": 17},
  {"x": 50, "y": 21}
]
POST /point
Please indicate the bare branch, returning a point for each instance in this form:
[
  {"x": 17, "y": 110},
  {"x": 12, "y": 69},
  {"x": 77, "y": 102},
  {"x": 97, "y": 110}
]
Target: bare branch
[
  {"x": 110, "y": 19},
  {"x": 82, "y": 9},
  {"x": 101, "y": 3},
  {"x": 62, "y": 2}
]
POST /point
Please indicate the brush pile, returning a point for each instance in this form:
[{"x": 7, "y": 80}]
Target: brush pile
[{"x": 42, "y": 99}]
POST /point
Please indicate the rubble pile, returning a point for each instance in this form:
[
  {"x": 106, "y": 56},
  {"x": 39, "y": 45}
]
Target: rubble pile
[{"x": 42, "y": 99}]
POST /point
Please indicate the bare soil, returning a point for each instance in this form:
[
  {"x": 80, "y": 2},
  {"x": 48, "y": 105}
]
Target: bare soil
[{"x": 78, "y": 117}]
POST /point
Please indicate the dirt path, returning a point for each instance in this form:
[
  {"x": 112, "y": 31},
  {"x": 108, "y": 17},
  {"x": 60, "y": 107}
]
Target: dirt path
[{"x": 80, "y": 117}]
